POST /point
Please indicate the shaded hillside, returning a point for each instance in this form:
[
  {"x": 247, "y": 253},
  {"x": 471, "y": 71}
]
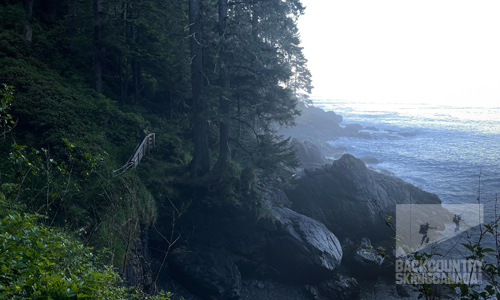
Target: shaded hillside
[
  {"x": 212, "y": 207},
  {"x": 90, "y": 78}
]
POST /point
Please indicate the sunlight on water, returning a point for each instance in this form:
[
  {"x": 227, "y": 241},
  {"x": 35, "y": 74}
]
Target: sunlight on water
[
  {"x": 480, "y": 119},
  {"x": 448, "y": 147}
]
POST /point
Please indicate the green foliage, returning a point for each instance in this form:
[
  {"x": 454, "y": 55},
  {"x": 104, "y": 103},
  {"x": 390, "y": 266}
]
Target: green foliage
[
  {"x": 474, "y": 251},
  {"x": 50, "y": 186},
  {"x": 125, "y": 207},
  {"x": 276, "y": 159},
  {"x": 41, "y": 262},
  {"x": 49, "y": 109},
  {"x": 6, "y": 122},
  {"x": 145, "y": 67},
  {"x": 171, "y": 145},
  {"x": 229, "y": 183},
  {"x": 265, "y": 212},
  {"x": 38, "y": 262},
  {"x": 64, "y": 172},
  {"x": 11, "y": 17}
]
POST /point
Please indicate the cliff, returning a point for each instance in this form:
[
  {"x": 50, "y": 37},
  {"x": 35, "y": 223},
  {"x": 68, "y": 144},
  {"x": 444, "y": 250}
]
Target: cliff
[
  {"x": 321, "y": 234},
  {"x": 318, "y": 238},
  {"x": 352, "y": 200}
]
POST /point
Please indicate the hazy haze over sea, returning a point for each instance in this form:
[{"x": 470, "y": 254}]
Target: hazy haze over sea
[{"x": 444, "y": 151}]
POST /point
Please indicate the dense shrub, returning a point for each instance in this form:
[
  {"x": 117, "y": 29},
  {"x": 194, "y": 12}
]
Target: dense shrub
[{"x": 39, "y": 262}]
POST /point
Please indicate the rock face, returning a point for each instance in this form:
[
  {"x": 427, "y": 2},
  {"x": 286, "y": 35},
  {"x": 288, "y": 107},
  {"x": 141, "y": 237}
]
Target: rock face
[
  {"x": 138, "y": 271},
  {"x": 340, "y": 287},
  {"x": 309, "y": 154},
  {"x": 292, "y": 240},
  {"x": 226, "y": 243},
  {"x": 366, "y": 262},
  {"x": 315, "y": 123},
  {"x": 353, "y": 201},
  {"x": 210, "y": 273},
  {"x": 352, "y": 129},
  {"x": 318, "y": 117},
  {"x": 303, "y": 246}
]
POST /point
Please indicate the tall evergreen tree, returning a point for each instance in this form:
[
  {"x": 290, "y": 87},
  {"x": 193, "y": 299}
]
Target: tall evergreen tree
[
  {"x": 97, "y": 47},
  {"x": 269, "y": 70},
  {"x": 200, "y": 165},
  {"x": 224, "y": 83}
]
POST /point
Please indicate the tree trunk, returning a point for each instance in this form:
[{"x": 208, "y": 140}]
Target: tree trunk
[
  {"x": 136, "y": 77},
  {"x": 28, "y": 7},
  {"x": 171, "y": 102},
  {"x": 200, "y": 165},
  {"x": 71, "y": 17},
  {"x": 124, "y": 74},
  {"x": 224, "y": 104},
  {"x": 97, "y": 47},
  {"x": 136, "y": 63},
  {"x": 27, "y": 31}
]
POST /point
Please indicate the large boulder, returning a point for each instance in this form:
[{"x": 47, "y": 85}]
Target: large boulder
[
  {"x": 314, "y": 123},
  {"x": 309, "y": 154},
  {"x": 352, "y": 200},
  {"x": 340, "y": 287},
  {"x": 210, "y": 273},
  {"x": 302, "y": 248},
  {"x": 352, "y": 129},
  {"x": 268, "y": 242},
  {"x": 366, "y": 261},
  {"x": 318, "y": 117}
]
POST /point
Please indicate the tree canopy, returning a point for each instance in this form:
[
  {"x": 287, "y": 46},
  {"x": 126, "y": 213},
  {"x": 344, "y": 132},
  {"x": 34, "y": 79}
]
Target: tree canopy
[{"x": 213, "y": 80}]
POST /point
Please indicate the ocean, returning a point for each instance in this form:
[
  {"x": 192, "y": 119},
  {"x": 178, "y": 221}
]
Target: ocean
[{"x": 444, "y": 150}]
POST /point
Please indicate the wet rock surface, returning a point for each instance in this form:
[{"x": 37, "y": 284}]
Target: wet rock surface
[
  {"x": 303, "y": 245},
  {"x": 340, "y": 287},
  {"x": 210, "y": 273},
  {"x": 352, "y": 200},
  {"x": 227, "y": 244},
  {"x": 288, "y": 248},
  {"x": 309, "y": 154},
  {"x": 367, "y": 261},
  {"x": 319, "y": 126}
]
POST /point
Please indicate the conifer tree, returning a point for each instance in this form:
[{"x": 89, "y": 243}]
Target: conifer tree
[{"x": 200, "y": 165}]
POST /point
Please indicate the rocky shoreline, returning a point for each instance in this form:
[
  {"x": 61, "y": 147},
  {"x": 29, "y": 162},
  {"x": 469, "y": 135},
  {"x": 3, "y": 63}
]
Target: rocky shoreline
[
  {"x": 317, "y": 127},
  {"x": 324, "y": 238}
]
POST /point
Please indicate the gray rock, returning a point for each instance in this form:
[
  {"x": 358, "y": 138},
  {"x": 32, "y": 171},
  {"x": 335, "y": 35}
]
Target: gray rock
[
  {"x": 273, "y": 242},
  {"x": 315, "y": 122},
  {"x": 402, "y": 292},
  {"x": 312, "y": 114},
  {"x": 138, "y": 270},
  {"x": 303, "y": 247},
  {"x": 340, "y": 287},
  {"x": 209, "y": 273},
  {"x": 352, "y": 129},
  {"x": 308, "y": 154},
  {"x": 367, "y": 261},
  {"x": 367, "y": 254},
  {"x": 313, "y": 291},
  {"x": 352, "y": 200}
]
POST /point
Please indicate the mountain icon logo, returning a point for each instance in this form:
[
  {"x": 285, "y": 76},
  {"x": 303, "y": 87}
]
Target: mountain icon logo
[{"x": 420, "y": 225}]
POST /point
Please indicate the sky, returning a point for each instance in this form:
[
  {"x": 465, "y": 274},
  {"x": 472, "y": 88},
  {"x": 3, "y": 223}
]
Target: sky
[{"x": 404, "y": 51}]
